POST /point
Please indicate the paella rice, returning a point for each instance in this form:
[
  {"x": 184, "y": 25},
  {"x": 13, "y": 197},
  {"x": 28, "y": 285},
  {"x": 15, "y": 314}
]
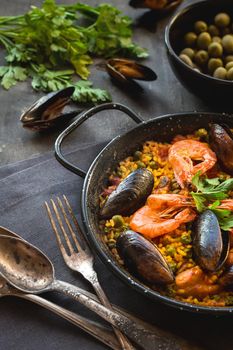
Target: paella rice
[{"x": 175, "y": 246}]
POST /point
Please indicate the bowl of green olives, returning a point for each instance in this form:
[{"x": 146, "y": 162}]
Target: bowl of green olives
[{"x": 199, "y": 41}]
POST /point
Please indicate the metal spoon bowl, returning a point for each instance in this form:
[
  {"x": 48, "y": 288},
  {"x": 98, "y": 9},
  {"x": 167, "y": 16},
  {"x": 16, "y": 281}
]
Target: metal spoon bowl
[{"x": 23, "y": 266}]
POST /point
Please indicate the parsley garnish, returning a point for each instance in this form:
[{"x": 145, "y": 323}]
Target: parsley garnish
[
  {"x": 50, "y": 44},
  {"x": 10, "y": 75},
  {"x": 209, "y": 194}
]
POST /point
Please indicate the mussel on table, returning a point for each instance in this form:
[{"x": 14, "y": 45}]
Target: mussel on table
[
  {"x": 47, "y": 111},
  {"x": 125, "y": 71},
  {"x": 221, "y": 139},
  {"x": 143, "y": 258},
  {"x": 130, "y": 194},
  {"x": 157, "y": 5},
  {"x": 210, "y": 244}
]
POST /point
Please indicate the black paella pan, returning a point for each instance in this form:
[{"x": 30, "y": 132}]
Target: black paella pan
[{"x": 161, "y": 129}]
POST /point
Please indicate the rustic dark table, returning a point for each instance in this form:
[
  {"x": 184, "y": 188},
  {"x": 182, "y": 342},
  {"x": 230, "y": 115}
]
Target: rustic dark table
[{"x": 166, "y": 95}]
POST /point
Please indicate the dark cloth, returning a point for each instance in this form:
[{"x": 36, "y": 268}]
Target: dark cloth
[{"x": 24, "y": 187}]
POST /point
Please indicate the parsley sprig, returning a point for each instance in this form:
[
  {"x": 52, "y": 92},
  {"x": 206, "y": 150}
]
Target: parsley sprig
[
  {"x": 50, "y": 42},
  {"x": 209, "y": 194}
]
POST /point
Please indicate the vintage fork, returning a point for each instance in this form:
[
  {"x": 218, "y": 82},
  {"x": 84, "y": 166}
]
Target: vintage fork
[{"x": 82, "y": 259}]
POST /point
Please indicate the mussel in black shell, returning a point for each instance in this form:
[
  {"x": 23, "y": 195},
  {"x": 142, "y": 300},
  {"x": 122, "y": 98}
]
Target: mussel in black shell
[
  {"x": 227, "y": 278},
  {"x": 125, "y": 71},
  {"x": 221, "y": 139},
  {"x": 143, "y": 258},
  {"x": 210, "y": 245},
  {"x": 157, "y": 5},
  {"x": 130, "y": 195},
  {"x": 47, "y": 111}
]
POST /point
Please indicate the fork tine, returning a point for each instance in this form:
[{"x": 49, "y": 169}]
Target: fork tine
[
  {"x": 60, "y": 244},
  {"x": 75, "y": 221},
  {"x": 78, "y": 246},
  {"x": 62, "y": 227}
]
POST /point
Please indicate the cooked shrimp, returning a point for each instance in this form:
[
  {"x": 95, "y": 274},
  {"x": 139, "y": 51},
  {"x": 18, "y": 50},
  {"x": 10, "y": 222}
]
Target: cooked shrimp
[
  {"x": 226, "y": 204},
  {"x": 229, "y": 260},
  {"x": 181, "y": 156},
  {"x": 148, "y": 221},
  {"x": 194, "y": 282},
  {"x": 163, "y": 201}
]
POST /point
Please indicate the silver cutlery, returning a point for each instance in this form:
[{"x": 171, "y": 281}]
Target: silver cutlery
[
  {"x": 6, "y": 232},
  {"x": 98, "y": 331},
  {"x": 26, "y": 268},
  {"x": 148, "y": 337},
  {"x": 77, "y": 255},
  {"x": 95, "y": 329}
]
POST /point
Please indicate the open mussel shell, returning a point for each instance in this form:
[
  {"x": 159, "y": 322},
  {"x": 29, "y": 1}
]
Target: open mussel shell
[
  {"x": 210, "y": 244},
  {"x": 125, "y": 71},
  {"x": 130, "y": 195},
  {"x": 59, "y": 121},
  {"x": 162, "y": 6},
  {"x": 143, "y": 258},
  {"x": 221, "y": 139},
  {"x": 46, "y": 112}
]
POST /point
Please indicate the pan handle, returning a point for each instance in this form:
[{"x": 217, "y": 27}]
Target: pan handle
[{"x": 84, "y": 116}]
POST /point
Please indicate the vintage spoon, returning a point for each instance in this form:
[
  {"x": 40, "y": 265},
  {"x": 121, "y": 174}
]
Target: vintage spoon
[
  {"x": 95, "y": 329},
  {"x": 28, "y": 269},
  {"x": 6, "y": 232}
]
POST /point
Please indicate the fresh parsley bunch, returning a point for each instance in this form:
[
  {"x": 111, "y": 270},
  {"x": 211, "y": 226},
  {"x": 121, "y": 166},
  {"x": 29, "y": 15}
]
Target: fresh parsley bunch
[
  {"x": 209, "y": 194},
  {"x": 52, "y": 43}
]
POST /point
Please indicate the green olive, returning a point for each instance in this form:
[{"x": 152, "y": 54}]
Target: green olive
[
  {"x": 201, "y": 57},
  {"x": 188, "y": 52},
  {"x": 190, "y": 39},
  {"x": 215, "y": 50},
  {"x": 200, "y": 26},
  {"x": 222, "y": 20},
  {"x": 230, "y": 74},
  {"x": 186, "y": 60},
  {"x": 227, "y": 43},
  {"x": 214, "y": 63},
  {"x": 216, "y": 39},
  {"x": 229, "y": 65},
  {"x": 213, "y": 30},
  {"x": 220, "y": 73},
  {"x": 203, "y": 40},
  {"x": 228, "y": 58}
]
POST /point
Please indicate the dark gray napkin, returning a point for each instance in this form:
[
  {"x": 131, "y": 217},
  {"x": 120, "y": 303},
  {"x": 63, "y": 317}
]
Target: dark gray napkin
[{"x": 24, "y": 187}]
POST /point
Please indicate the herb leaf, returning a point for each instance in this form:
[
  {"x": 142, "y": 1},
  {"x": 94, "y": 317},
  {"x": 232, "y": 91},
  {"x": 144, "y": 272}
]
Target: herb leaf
[
  {"x": 225, "y": 218},
  {"x": 85, "y": 93},
  {"x": 209, "y": 190},
  {"x": 199, "y": 201},
  {"x": 225, "y": 186},
  {"x": 52, "y": 36},
  {"x": 11, "y": 74}
]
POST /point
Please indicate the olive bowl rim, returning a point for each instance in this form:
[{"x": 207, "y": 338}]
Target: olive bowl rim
[
  {"x": 109, "y": 261},
  {"x": 173, "y": 54}
]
